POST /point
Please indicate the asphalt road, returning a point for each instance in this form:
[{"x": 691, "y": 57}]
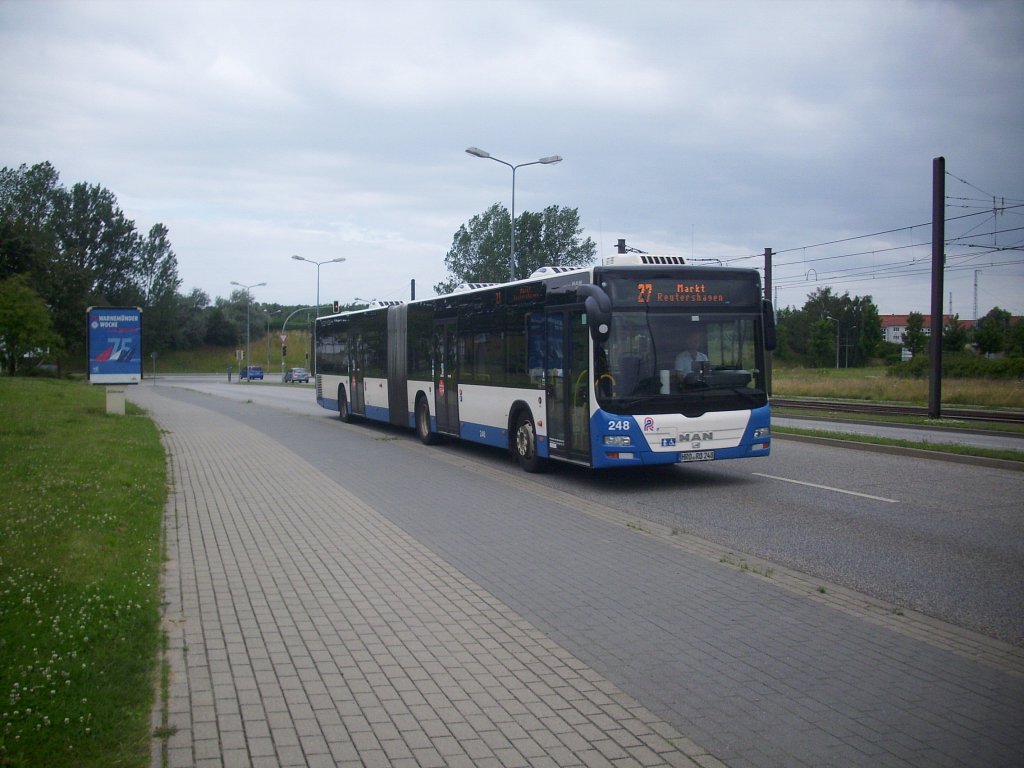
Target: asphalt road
[{"x": 941, "y": 538}]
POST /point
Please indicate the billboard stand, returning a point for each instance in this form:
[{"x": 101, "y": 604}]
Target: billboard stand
[
  {"x": 114, "y": 337},
  {"x": 115, "y": 400}
]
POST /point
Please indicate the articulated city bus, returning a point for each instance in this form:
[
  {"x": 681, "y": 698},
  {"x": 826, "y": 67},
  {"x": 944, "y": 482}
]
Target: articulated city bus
[{"x": 642, "y": 360}]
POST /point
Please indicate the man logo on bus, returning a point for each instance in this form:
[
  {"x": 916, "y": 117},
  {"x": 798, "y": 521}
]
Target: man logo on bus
[{"x": 648, "y": 424}]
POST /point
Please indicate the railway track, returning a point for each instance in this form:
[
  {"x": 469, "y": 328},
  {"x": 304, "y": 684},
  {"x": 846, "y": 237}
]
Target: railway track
[{"x": 878, "y": 409}]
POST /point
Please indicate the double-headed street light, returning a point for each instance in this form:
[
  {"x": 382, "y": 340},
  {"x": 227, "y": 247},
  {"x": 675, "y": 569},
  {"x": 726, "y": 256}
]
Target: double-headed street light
[
  {"x": 551, "y": 160},
  {"x": 248, "y": 304},
  {"x": 318, "y": 265}
]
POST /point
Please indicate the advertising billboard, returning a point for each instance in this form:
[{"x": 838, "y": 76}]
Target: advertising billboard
[{"x": 115, "y": 345}]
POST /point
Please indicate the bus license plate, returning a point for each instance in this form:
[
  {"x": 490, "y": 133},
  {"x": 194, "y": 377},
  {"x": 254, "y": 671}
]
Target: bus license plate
[{"x": 697, "y": 456}]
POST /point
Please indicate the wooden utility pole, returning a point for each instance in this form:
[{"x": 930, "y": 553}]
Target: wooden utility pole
[
  {"x": 938, "y": 266},
  {"x": 768, "y": 296}
]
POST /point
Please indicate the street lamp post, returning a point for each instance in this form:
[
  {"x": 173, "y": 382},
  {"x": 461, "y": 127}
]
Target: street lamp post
[
  {"x": 269, "y": 315},
  {"x": 318, "y": 265},
  {"x": 552, "y": 159},
  {"x": 248, "y": 305},
  {"x": 829, "y": 317},
  {"x": 847, "y": 345}
]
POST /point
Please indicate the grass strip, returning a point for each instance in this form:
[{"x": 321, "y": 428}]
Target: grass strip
[
  {"x": 961, "y": 450},
  {"x": 80, "y": 557},
  {"x": 945, "y": 423}
]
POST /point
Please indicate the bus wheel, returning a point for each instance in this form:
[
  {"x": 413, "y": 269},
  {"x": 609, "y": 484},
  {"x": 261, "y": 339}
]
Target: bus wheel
[
  {"x": 343, "y": 412},
  {"x": 526, "y": 443},
  {"x": 423, "y": 422}
]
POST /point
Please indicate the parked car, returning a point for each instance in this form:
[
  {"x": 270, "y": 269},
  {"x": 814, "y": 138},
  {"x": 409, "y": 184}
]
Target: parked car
[
  {"x": 296, "y": 374},
  {"x": 251, "y": 372}
]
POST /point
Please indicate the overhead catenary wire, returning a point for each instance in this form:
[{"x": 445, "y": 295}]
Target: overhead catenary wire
[
  {"x": 963, "y": 250},
  {"x": 901, "y": 268},
  {"x": 923, "y": 269},
  {"x": 852, "y": 238}
]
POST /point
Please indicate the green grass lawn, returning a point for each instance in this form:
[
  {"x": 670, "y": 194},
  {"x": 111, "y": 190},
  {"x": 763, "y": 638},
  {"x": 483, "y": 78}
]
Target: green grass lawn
[
  {"x": 217, "y": 359},
  {"x": 872, "y": 384},
  {"x": 80, "y": 557}
]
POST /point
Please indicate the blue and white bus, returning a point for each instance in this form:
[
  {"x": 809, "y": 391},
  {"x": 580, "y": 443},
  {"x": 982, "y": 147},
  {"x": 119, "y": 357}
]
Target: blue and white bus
[{"x": 642, "y": 360}]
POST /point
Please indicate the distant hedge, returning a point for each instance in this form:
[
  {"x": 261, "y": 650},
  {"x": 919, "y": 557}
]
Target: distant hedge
[{"x": 960, "y": 365}]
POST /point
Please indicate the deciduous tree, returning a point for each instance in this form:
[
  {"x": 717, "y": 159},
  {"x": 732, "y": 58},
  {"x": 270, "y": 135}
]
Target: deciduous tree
[
  {"x": 954, "y": 335},
  {"x": 78, "y": 249},
  {"x": 992, "y": 331},
  {"x": 914, "y": 338},
  {"x": 158, "y": 283},
  {"x": 480, "y": 251},
  {"x": 25, "y": 327},
  {"x": 859, "y": 328}
]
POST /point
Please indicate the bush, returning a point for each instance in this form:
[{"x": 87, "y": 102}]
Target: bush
[
  {"x": 889, "y": 352},
  {"x": 961, "y": 365}
]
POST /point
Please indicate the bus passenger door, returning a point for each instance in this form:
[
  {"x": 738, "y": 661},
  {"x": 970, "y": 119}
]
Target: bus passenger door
[
  {"x": 568, "y": 384},
  {"x": 446, "y": 395},
  {"x": 356, "y": 392}
]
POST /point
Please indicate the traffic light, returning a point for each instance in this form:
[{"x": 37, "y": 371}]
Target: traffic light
[
  {"x": 337, "y": 306},
  {"x": 284, "y": 350}
]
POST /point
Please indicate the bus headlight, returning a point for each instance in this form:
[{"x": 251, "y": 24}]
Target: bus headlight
[
  {"x": 763, "y": 434},
  {"x": 617, "y": 440}
]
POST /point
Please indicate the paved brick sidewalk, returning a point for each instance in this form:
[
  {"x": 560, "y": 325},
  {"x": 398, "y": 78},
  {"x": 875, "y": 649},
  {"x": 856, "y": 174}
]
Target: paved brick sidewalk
[
  {"x": 305, "y": 629},
  {"x": 322, "y": 611}
]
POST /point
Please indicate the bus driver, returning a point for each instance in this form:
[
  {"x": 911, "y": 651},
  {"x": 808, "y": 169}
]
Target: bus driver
[{"x": 689, "y": 359}]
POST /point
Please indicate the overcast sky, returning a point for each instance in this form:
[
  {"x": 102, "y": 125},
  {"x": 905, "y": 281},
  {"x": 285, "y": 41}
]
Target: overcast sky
[{"x": 257, "y": 130}]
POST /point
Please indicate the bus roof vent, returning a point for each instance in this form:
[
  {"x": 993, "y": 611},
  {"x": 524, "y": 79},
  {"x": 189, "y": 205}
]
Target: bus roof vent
[
  {"x": 546, "y": 271},
  {"x": 385, "y": 303},
  {"x": 463, "y": 287},
  {"x": 634, "y": 259}
]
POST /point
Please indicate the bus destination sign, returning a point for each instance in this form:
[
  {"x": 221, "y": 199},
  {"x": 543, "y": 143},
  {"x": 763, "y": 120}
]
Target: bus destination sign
[
  {"x": 680, "y": 292},
  {"x": 688, "y": 292},
  {"x": 531, "y": 293}
]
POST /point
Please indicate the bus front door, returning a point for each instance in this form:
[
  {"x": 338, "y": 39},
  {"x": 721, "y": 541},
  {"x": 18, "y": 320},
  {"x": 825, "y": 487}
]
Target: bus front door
[
  {"x": 446, "y": 395},
  {"x": 568, "y": 384}
]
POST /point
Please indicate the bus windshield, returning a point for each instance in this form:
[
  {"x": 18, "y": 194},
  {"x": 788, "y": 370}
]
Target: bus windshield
[{"x": 658, "y": 361}]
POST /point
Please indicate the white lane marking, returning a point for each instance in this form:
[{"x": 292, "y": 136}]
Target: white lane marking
[{"x": 829, "y": 488}]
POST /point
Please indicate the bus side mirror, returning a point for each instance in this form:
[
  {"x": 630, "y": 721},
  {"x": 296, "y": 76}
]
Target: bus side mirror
[
  {"x": 771, "y": 337},
  {"x": 599, "y": 311}
]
